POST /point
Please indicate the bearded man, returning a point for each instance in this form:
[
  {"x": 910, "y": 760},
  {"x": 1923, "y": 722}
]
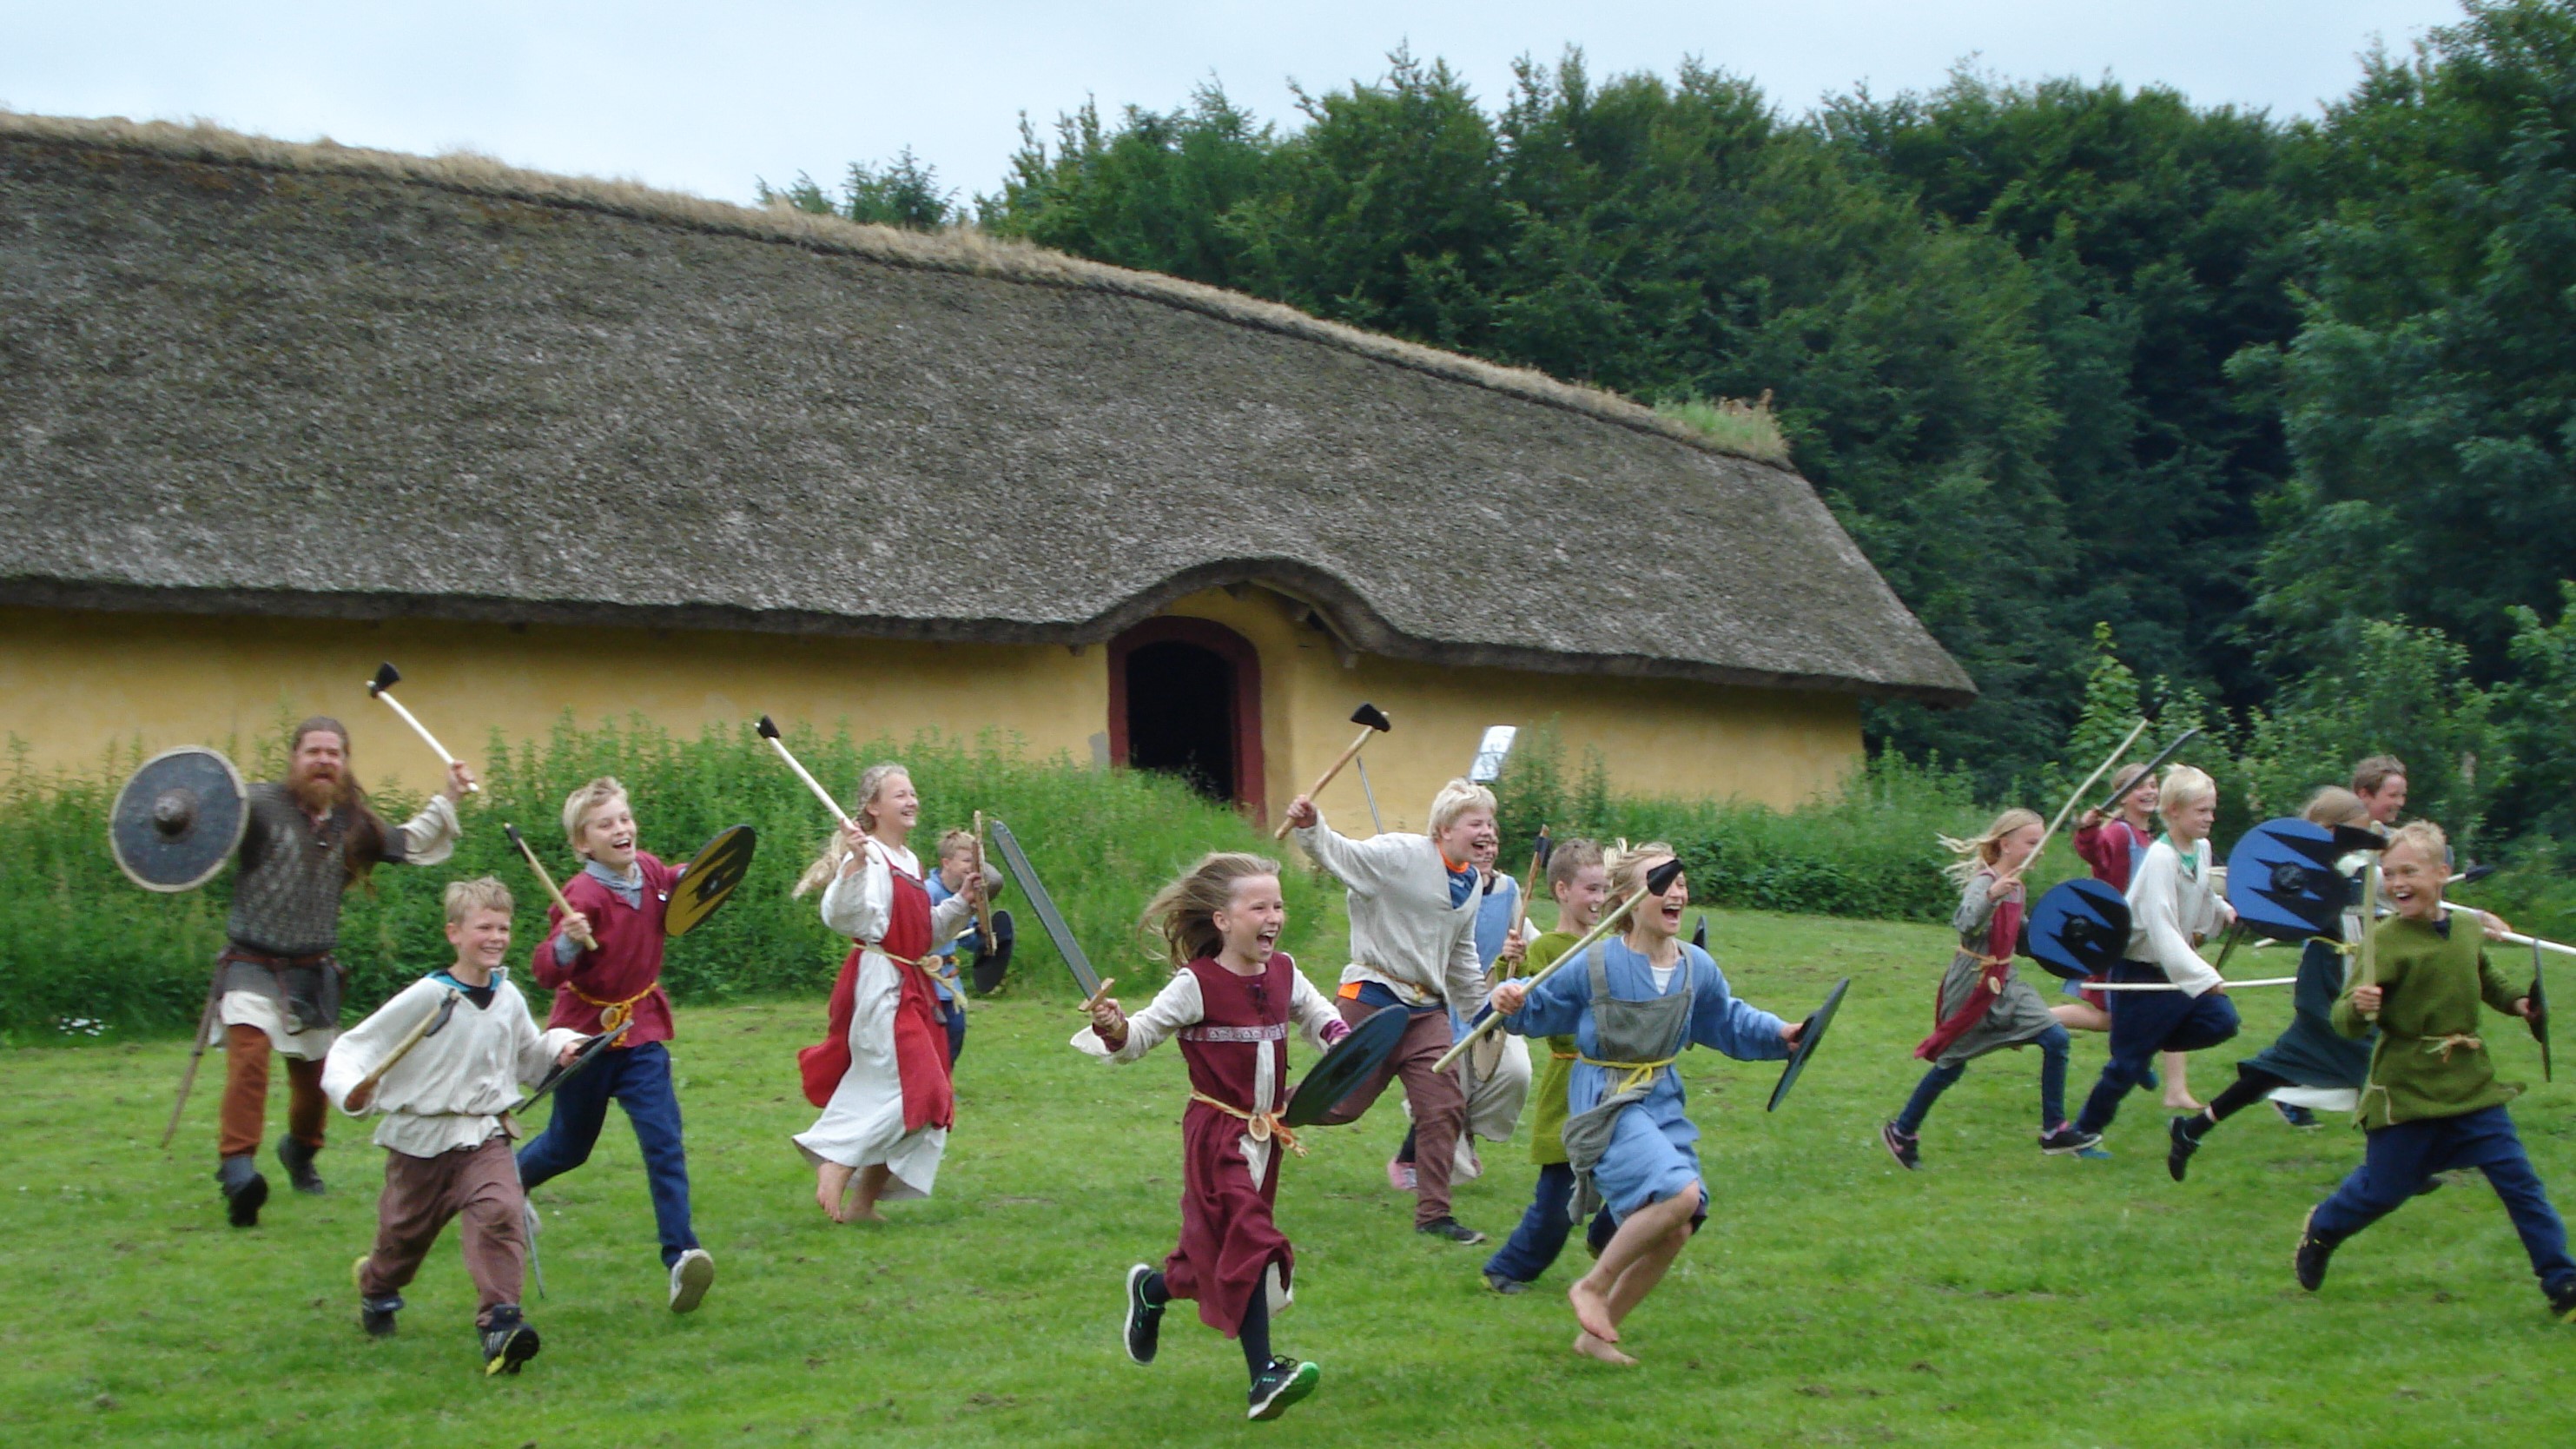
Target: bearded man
[{"x": 306, "y": 840}]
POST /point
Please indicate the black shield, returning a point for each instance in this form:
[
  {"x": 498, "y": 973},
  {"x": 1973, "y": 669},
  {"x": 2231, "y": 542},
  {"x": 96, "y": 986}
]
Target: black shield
[
  {"x": 994, "y": 961},
  {"x": 1809, "y": 1038},
  {"x": 2282, "y": 881},
  {"x": 178, "y": 820},
  {"x": 2079, "y": 929},
  {"x": 1352, "y": 1061},
  {"x": 708, "y": 878}
]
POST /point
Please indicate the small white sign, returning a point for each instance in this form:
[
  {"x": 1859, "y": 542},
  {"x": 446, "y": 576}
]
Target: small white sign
[{"x": 1490, "y": 754}]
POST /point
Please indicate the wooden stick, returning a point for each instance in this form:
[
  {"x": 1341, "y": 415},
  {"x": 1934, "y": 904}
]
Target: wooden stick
[
  {"x": 363, "y": 1094},
  {"x": 983, "y": 902},
  {"x": 426, "y": 737},
  {"x": 1495, "y": 1020},
  {"x": 1520, "y": 908},
  {"x": 196, "y": 1050},
  {"x": 1096, "y": 997},
  {"x": 1327, "y": 777},
  {"x": 2369, "y": 943},
  {"x": 2511, "y": 938},
  {"x": 543, "y": 879},
  {"x": 2081, "y": 790},
  {"x": 769, "y": 732}
]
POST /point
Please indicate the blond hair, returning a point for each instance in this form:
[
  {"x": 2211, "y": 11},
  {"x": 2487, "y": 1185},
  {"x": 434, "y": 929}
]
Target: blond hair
[
  {"x": 2335, "y": 805},
  {"x": 1182, "y": 915},
  {"x": 2423, "y": 837},
  {"x": 1457, "y": 798},
  {"x": 483, "y": 893},
  {"x": 586, "y": 797},
  {"x": 952, "y": 840},
  {"x": 1571, "y": 859},
  {"x": 872, "y": 783},
  {"x": 2126, "y": 779},
  {"x": 1980, "y": 852},
  {"x": 1629, "y": 864},
  {"x": 2183, "y": 785}
]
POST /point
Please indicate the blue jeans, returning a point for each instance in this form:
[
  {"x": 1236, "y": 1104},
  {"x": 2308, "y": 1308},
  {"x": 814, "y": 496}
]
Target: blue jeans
[
  {"x": 640, "y": 1079},
  {"x": 1543, "y": 1228},
  {"x": 2052, "y": 1045},
  {"x": 954, "y": 1013},
  {"x": 2144, "y": 1023},
  {"x": 2403, "y": 1156}
]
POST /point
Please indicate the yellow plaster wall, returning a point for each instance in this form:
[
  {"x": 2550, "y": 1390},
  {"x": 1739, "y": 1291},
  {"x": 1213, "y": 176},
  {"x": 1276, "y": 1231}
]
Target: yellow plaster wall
[
  {"x": 73, "y": 681},
  {"x": 1657, "y": 736}
]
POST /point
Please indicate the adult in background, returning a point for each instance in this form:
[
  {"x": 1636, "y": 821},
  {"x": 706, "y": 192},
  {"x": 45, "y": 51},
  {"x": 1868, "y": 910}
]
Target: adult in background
[
  {"x": 1413, "y": 905},
  {"x": 307, "y": 837}
]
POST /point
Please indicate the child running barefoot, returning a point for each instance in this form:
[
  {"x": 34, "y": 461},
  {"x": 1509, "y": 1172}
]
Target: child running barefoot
[
  {"x": 445, "y": 1133},
  {"x": 1984, "y": 1005},
  {"x": 2113, "y": 849},
  {"x": 1580, "y": 882},
  {"x": 2311, "y": 1065},
  {"x": 1632, "y": 1006},
  {"x": 2433, "y": 1102},
  {"x": 1231, "y": 1001}
]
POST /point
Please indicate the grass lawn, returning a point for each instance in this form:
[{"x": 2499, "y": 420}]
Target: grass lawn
[{"x": 1996, "y": 1297}]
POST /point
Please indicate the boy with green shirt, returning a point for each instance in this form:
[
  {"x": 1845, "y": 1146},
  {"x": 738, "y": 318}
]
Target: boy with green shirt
[
  {"x": 2433, "y": 1102},
  {"x": 1580, "y": 881}
]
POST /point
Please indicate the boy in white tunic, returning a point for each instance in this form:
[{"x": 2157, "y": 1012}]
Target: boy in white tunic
[{"x": 446, "y": 1132}]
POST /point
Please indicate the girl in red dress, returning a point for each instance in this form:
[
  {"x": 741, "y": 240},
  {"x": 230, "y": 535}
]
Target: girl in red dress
[{"x": 1232, "y": 999}]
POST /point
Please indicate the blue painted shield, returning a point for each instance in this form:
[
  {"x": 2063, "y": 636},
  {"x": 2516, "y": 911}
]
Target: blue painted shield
[
  {"x": 2281, "y": 878},
  {"x": 2079, "y": 929}
]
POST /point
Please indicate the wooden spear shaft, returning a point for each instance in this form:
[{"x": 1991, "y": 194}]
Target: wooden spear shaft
[
  {"x": 1494, "y": 1022},
  {"x": 2082, "y": 790}
]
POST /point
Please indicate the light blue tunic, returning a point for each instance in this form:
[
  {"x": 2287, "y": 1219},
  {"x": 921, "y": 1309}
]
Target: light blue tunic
[
  {"x": 1651, "y": 1156},
  {"x": 937, "y": 886}
]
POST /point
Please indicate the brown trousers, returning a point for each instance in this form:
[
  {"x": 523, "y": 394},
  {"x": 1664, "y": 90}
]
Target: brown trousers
[
  {"x": 1439, "y": 1103},
  {"x": 477, "y": 1184},
  {"x": 245, "y": 1112}
]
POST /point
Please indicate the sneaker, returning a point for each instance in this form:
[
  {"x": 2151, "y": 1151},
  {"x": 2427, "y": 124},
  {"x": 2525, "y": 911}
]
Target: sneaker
[
  {"x": 2314, "y": 1249},
  {"x": 2149, "y": 1080},
  {"x": 2064, "y": 1140},
  {"x": 691, "y": 1277},
  {"x": 245, "y": 1191},
  {"x": 1400, "y": 1175},
  {"x": 1283, "y": 1383},
  {"x": 1505, "y": 1286},
  {"x": 508, "y": 1341},
  {"x": 2562, "y": 1304},
  {"x": 2178, "y": 1155},
  {"x": 375, "y": 1315},
  {"x": 1452, "y": 1230},
  {"x": 298, "y": 1160},
  {"x": 2095, "y": 1153},
  {"x": 1905, "y": 1147},
  {"x": 1142, "y": 1322},
  {"x": 2295, "y": 1115}
]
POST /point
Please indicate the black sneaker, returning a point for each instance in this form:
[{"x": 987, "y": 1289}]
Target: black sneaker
[
  {"x": 298, "y": 1160},
  {"x": 2295, "y": 1115},
  {"x": 508, "y": 1341},
  {"x": 1905, "y": 1147},
  {"x": 1283, "y": 1383},
  {"x": 375, "y": 1315},
  {"x": 1447, "y": 1228},
  {"x": 2178, "y": 1156},
  {"x": 2315, "y": 1249},
  {"x": 2066, "y": 1139},
  {"x": 1142, "y": 1323},
  {"x": 1505, "y": 1286},
  {"x": 2562, "y": 1304},
  {"x": 245, "y": 1191}
]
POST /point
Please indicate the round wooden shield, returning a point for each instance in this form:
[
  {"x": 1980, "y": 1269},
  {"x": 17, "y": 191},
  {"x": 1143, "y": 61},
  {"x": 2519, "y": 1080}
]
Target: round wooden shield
[
  {"x": 708, "y": 879},
  {"x": 1810, "y": 1037},
  {"x": 2078, "y": 929},
  {"x": 178, "y": 820},
  {"x": 994, "y": 961},
  {"x": 1353, "y": 1060}
]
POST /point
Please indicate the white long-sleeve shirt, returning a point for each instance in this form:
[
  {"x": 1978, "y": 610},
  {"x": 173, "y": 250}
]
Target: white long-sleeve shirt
[
  {"x": 1405, "y": 934},
  {"x": 860, "y": 903},
  {"x": 449, "y": 1091},
  {"x": 2170, "y": 902}
]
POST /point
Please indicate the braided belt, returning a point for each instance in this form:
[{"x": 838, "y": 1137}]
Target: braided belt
[
  {"x": 614, "y": 1016},
  {"x": 1259, "y": 1126},
  {"x": 1638, "y": 1073},
  {"x": 2455, "y": 1041}
]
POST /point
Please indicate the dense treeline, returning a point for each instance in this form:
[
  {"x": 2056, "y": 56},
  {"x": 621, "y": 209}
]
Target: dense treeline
[{"x": 2271, "y": 399}]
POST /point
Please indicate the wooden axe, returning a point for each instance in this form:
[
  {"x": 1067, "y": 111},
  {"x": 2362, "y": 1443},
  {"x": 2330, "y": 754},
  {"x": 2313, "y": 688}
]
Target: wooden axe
[
  {"x": 1372, "y": 721},
  {"x": 553, "y": 892},
  {"x": 769, "y": 731},
  {"x": 983, "y": 894},
  {"x": 363, "y": 1095},
  {"x": 381, "y": 687}
]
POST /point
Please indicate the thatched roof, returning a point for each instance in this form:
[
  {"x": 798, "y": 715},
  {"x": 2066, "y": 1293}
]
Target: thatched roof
[{"x": 240, "y": 375}]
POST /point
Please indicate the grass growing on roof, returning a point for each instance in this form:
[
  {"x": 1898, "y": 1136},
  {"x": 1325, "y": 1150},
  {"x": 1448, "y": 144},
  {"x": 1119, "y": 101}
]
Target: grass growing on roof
[{"x": 1996, "y": 1297}]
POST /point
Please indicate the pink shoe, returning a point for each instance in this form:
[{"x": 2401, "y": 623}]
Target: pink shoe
[{"x": 1399, "y": 1175}]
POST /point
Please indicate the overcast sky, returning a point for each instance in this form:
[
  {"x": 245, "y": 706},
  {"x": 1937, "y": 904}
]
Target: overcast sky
[{"x": 706, "y": 97}]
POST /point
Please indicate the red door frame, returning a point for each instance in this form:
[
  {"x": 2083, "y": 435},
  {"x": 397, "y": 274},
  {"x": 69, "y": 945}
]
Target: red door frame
[{"x": 1236, "y": 651}]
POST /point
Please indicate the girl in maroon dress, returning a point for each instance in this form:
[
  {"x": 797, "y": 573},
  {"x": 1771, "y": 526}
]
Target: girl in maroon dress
[{"x": 1232, "y": 999}]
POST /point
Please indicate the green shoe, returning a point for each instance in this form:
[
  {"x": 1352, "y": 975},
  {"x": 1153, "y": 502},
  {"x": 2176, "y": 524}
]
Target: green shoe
[{"x": 1283, "y": 1383}]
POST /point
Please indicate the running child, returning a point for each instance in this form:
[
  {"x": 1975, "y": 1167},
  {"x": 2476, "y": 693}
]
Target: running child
[{"x": 2112, "y": 849}]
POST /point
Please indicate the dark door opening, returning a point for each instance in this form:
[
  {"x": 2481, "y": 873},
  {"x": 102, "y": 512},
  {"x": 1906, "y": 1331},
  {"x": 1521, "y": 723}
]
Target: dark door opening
[
  {"x": 1185, "y": 699},
  {"x": 1180, "y": 715}
]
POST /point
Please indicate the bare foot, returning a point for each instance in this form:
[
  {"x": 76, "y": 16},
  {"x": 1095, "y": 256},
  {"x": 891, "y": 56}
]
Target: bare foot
[
  {"x": 831, "y": 1184},
  {"x": 1591, "y": 1310},
  {"x": 2183, "y": 1103},
  {"x": 823, "y": 1198},
  {"x": 1590, "y": 1347}
]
